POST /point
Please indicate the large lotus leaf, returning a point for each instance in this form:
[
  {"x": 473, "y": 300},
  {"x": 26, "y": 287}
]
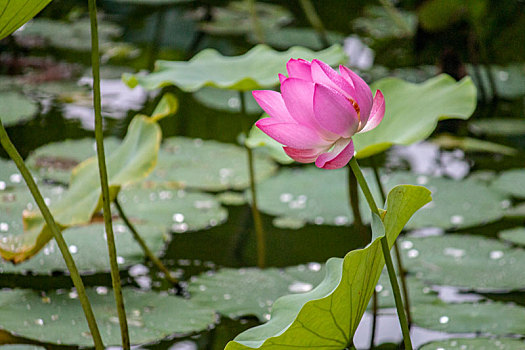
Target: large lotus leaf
[
  {"x": 236, "y": 19},
  {"x": 85, "y": 243},
  {"x": 475, "y": 344},
  {"x": 413, "y": 111},
  {"x": 15, "y": 13},
  {"x": 498, "y": 126},
  {"x": 57, "y": 317},
  {"x": 56, "y": 160},
  {"x": 465, "y": 261},
  {"x": 284, "y": 38},
  {"x": 492, "y": 318},
  {"x": 511, "y": 182},
  {"x": 251, "y": 291},
  {"x": 328, "y": 316},
  {"x": 69, "y": 35},
  {"x": 455, "y": 204},
  {"x": 177, "y": 210},
  {"x": 15, "y": 107},
  {"x": 256, "y": 69},
  {"x": 208, "y": 165},
  {"x": 133, "y": 160},
  {"x": 383, "y": 23},
  {"x": 515, "y": 236},
  {"x": 9, "y": 175}
]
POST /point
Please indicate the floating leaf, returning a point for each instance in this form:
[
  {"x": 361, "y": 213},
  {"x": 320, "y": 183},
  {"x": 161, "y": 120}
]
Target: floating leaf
[
  {"x": 130, "y": 162},
  {"x": 419, "y": 292},
  {"x": 57, "y": 317},
  {"x": 16, "y": 13},
  {"x": 386, "y": 23},
  {"x": 16, "y": 108},
  {"x": 177, "y": 210},
  {"x": 498, "y": 127},
  {"x": 236, "y": 19},
  {"x": 328, "y": 316},
  {"x": 207, "y": 165},
  {"x": 250, "y": 291},
  {"x": 455, "y": 203},
  {"x": 515, "y": 236},
  {"x": 9, "y": 175},
  {"x": 56, "y": 160},
  {"x": 511, "y": 182},
  {"x": 477, "y": 343},
  {"x": 465, "y": 261},
  {"x": 284, "y": 38},
  {"x": 69, "y": 35},
  {"x": 413, "y": 111},
  {"x": 471, "y": 318},
  {"x": 85, "y": 243},
  {"x": 231, "y": 198},
  {"x": 21, "y": 347},
  {"x": 470, "y": 144},
  {"x": 256, "y": 69}
]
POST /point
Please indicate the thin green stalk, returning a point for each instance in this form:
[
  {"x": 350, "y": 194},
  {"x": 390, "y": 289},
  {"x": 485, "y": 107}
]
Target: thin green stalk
[
  {"x": 257, "y": 221},
  {"x": 106, "y": 200},
  {"x": 386, "y": 253},
  {"x": 256, "y": 25},
  {"x": 353, "y": 195},
  {"x": 57, "y": 234},
  {"x": 315, "y": 21},
  {"x": 400, "y": 267},
  {"x": 149, "y": 254}
]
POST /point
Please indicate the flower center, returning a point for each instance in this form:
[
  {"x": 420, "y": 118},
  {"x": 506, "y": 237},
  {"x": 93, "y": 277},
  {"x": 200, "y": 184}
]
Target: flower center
[{"x": 356, "y": 107}]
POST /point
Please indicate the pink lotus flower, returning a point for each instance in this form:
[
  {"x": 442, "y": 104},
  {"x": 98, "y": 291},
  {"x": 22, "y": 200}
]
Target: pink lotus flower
[{"x": 318, "y": 111}]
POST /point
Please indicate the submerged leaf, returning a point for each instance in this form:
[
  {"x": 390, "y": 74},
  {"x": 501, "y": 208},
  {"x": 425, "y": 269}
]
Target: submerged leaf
[
  {"x": 256, "y": 69},
  {"x": 511, "y": 182},
  {"x": 15, "y": 107},
  {"x": 328, "y": 316},
  {"x": 133, "y": 160}
]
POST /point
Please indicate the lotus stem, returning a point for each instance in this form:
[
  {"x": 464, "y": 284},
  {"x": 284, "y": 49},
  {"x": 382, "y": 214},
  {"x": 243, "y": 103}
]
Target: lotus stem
[
  {"x": 57, "y": 234},
  {"x": 353, "y": 195},
  {"x": 400, "y": 267},
  {"x": 106, "y": 199},
  {"x": 386, "y": 254},
  {"x": 149, "y": 254},
  {"x": 315, "y": 21},
  {"x": 257, "y": 221}
]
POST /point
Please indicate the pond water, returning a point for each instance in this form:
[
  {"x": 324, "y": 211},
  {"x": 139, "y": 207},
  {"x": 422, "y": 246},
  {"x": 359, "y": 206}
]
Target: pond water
[{"x": 65, "y": 113}]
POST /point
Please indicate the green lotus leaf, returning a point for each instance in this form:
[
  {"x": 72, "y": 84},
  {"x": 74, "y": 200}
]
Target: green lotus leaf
[
  {"x": 226, "y": 100},
  {"x": 57, "y": 317},
  {"x": 471, "y": 318},
  {"x": 328, "y": 316},
  {"x": 250, "y": 291},
  {"x": 21, "y": 347},
  {"x": 10, "y": 176},
  {"x": 16, "y": 108},
  {"x": 511, "y": 183},
  {"x": 456, "y": 204},
  {"x": 56, "y": 160},
  {"x": 16, "y": 13},
  {"x": 475, "y": 344},
  {"x": 508, "y": 80},
  {"x": 515, "y": 236},
  {"x": 70, "y": 35},
  {"x": 176, "y": 210},
  {"x": 284, "y": 38},
  {"x": 418, "y": 291},
  {"x": 236, "y": 19},
  {"x": 465, "y": 261},
  {"x": 85, "y": 243},
  {"x": 470, "y": 144},
  {"x": 498, "y": 127},
  {"x": 386, "y": 22},
  {"x": 207, "y": 165},
  {"x": 256, "y": 69},
  {"x": 133, "y": 160},
  {"x": 413, "y": 111}
]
